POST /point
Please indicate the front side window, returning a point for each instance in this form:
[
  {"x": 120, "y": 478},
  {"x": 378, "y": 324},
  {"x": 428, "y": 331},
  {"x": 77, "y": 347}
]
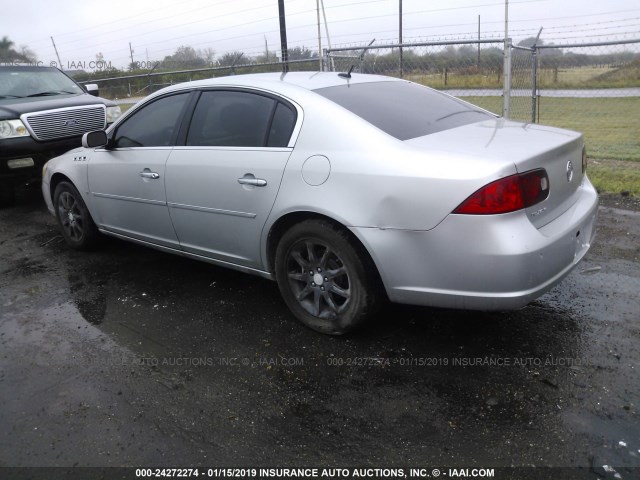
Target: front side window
[
  {"x": 154, "y": 125},
  {"x": 225, "y": 118},
  {"x": 402, "y": 109}
]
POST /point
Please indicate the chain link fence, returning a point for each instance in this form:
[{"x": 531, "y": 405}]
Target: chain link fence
[
  {"x": 461, "y": 68},
  {"x": 472, "y": 70},
  {"x": 127, "y": 89},
  {"x": 522, "y": 86},
  {"x": 592, "y": 88}
]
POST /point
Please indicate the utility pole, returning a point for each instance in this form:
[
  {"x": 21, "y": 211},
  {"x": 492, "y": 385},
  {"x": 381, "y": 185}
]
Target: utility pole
[
  {"x": 283, "y": 37},
  {"x": 326, "y": 30},
  {"x": 506, "y": 87},
  {"x": 400, "y": 38},
  {"x": 131, "y": 53},
  {"x": 319, "y": 37},
  {"x": 57, "y": 55},
  {"x": 478, "y": 41}
]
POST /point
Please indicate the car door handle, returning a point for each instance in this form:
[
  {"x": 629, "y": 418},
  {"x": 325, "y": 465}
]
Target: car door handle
[
  {"x": 152, "y": 175},
  {"x": 256, "y": 182}
]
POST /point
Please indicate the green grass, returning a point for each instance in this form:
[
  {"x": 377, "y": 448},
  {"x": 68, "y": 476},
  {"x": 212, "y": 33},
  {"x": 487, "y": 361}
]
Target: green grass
[
  {"x": 610, "y": 128},
  {"x": 590, "y": 77},
  {"x": 610, "y": 125},
  {"x": 613, "y": 176},
  {"x": 456, "y": 80},
  {"x": 585, "y": 77},
  {"x": 126, "y": 106}
]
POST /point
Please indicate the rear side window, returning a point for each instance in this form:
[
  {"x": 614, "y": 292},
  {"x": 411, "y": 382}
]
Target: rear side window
[
  {"x": 239, "y": 119},
  {"x": 403, "y": 109},
  {"x": 282, "y": 125}
]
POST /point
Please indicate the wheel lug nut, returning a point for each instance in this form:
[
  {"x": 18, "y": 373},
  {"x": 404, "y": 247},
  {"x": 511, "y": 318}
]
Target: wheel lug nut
[
  {"x": 322, "y": 288},
  {"x": 326, "y": 279},
  {"x": 319, "y": 269},
  {"x": 311, "y": 273},
  {"x": 313, "y": 284}
]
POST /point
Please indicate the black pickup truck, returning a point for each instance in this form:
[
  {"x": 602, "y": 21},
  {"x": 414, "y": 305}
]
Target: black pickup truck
[{"x": 43, "y": 113}]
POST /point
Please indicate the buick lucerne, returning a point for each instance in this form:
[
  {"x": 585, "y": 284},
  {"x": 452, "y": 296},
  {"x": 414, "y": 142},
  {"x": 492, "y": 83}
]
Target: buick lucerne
[{"x": 344, "y": 189}]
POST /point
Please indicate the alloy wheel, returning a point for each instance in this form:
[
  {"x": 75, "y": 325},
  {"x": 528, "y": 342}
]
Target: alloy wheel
[{"x": 318, "y": 278}]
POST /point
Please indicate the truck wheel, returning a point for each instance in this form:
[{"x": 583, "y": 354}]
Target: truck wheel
[{"x": 7, "y": 194}]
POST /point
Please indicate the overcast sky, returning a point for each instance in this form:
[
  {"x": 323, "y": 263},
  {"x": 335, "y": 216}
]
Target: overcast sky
[{"x": 155, "y": 28}]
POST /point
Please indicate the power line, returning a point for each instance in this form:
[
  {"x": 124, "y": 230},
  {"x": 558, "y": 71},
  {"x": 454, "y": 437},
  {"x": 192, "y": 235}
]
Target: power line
[
  {"x": 241, "y": 25},
  {"x": 290, "y": 15},
  {"x": 146, "y": 13}
]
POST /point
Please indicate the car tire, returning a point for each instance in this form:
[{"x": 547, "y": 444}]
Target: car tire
[
  {"x": 325, "y": 280},
  {"x": 74, "y": 219},
  {"x": 7, "y": 194}
]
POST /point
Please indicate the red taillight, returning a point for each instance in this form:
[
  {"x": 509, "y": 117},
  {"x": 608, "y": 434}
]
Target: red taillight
[{"x": 507, "y": 194}]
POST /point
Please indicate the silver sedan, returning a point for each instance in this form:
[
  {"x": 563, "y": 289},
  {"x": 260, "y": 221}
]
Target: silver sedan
[{"x": 346, "y": 190}]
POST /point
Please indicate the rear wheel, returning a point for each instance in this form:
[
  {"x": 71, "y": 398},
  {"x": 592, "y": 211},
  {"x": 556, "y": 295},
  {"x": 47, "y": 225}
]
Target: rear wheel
[
  {"x": 325, "y": 281},
  {"x": 74, "y": 219}
]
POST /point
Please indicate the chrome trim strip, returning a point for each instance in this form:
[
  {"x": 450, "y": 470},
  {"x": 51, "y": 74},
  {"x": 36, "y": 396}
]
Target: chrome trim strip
[
  {"x": 211, "y": 210},
  {"x": 232, "y": 149},
  {"x": 126, "y": 149},
  {"x": 129, "y": 199}
]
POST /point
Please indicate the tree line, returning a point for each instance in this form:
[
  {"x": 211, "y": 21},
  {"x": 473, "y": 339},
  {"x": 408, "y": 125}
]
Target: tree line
[
  {"x": 9, "y": 54},
  {"x": 447, "y": 60}
]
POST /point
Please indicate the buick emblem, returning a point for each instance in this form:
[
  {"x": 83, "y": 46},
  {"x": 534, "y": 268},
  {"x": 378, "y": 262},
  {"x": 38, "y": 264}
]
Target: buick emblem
[
  {"x": 70, "y": 123},
  {"x": 569, "y": 171}
]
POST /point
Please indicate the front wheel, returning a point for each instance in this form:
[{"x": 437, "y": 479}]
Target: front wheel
[
  {"x": 325, "y": 281},
  {"x": 74, "y": 219}
]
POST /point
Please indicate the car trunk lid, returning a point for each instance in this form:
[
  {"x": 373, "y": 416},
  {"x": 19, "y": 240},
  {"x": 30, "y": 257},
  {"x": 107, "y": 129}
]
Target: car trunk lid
[{"x": 528, "y": 147}]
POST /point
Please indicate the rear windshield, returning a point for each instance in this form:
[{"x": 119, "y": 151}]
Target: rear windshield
[{"x": 402, "y": 109}]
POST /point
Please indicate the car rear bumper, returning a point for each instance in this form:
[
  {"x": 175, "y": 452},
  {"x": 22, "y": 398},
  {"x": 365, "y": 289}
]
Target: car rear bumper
[{"x": 494, "y": 262}]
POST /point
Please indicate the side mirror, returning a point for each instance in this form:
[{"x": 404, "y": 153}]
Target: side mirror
[
  {"x": 94, "y": 139},
  {"x": 92, "y": 89}
]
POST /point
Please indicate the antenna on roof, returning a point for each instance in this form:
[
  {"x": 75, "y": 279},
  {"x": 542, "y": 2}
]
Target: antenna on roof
[{"x": 348, "y": 74}]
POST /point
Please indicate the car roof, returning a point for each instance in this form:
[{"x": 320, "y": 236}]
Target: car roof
[{"x": 283, "y": 83}]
